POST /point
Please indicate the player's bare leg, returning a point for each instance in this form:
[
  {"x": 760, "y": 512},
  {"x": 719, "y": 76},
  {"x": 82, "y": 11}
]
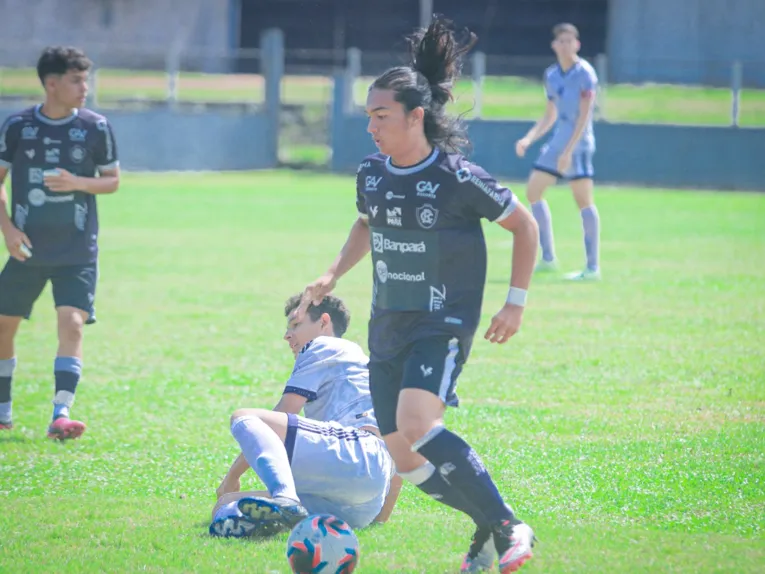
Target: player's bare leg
[
  {"x": 538, "y": 183},
  {"x": 584, "y": 197},
  {"x": 8, "y": 328},
  {"x": 67, "y": 371}
]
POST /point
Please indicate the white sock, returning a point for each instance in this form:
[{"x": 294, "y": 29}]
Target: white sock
[
  {"x": 265, "y": 453},
  {"x": 228, "y": 510}
]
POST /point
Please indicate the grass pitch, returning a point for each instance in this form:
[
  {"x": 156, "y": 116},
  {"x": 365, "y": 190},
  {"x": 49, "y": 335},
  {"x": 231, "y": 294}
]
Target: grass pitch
[{"x": 625, "y": 422}]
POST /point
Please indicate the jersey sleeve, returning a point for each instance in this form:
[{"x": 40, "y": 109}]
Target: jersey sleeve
[
  {"x": 361, "y": 202},
  {"x": 588, "y": 84},
  {"x": 312, "y": 370},
  {"x": 9, "y": 139},
  {"x": 484, "y": 195},
  {"x": 106, "y": 147}
]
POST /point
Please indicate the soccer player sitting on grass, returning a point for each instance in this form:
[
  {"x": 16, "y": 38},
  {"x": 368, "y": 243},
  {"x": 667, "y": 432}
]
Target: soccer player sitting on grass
[{"x": 332, "y": 460}]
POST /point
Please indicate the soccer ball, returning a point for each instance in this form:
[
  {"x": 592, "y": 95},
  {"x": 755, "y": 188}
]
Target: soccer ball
[{"x": 322, "y": 544}]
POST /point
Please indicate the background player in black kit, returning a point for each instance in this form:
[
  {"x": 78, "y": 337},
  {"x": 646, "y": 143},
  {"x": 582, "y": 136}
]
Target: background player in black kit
[
  {"x": 60, "y": 156},
  {"x": 420, "y": 207}
]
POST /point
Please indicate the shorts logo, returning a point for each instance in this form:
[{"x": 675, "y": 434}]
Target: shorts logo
[
  {"x": 427, "y": 215},
  {"x": 37, "y": 197},
  {"x": 426, "y": 371},
  {"x": 373, "y": 210}
]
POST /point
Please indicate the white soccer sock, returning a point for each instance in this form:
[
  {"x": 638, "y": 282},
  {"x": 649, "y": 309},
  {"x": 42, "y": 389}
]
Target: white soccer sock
[{"x": 265, "y": 453}]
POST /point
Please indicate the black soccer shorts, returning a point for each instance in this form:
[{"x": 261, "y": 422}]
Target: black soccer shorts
[
  {"x": 22, "y": 284},
  {"x": 432, "y": 364}
]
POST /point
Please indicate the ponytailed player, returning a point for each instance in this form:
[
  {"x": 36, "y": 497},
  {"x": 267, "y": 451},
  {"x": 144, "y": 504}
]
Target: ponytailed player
[
  {"x": 420, "y": 208},
  {"x": 570, "y": 87},
  {"x": 61, "y": 156}
]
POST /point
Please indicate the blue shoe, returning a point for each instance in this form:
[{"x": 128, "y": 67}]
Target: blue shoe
[
  {"x": 272, "y": 515},
  {"x": 232, "y": 527}
]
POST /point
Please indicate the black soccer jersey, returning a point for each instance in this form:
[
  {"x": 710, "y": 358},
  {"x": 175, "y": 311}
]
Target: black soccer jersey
[
  {"x": 428, "y": 247},
  {"x": 63, "y": 227}
]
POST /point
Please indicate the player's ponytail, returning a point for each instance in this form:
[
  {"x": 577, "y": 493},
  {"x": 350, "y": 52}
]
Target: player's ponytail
[
  {"x": 428, "y": 81},
  {"x": 437, "y": 55}
]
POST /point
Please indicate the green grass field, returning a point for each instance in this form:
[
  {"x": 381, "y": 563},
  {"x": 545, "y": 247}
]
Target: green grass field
[
  {"x": 626, "y": 422},
  {"x": 502, "y": 97}
]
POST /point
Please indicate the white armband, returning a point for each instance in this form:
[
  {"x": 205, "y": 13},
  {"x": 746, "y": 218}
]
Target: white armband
[{"x": 517, "y": 296}]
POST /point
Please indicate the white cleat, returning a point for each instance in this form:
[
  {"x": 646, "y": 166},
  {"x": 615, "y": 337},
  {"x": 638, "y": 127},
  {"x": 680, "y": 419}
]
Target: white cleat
[
  {"x": 586, "y": 275},
  {"x": 514, "y": 544},
  {"x": 544, "y": 266}
]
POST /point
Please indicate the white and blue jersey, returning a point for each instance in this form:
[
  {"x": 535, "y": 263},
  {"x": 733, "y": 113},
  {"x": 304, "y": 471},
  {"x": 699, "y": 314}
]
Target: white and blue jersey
[
  {"x": 566, "y": 90},
  {"x": 332, "y": 374},
  {"x": 339, "y": 468}
]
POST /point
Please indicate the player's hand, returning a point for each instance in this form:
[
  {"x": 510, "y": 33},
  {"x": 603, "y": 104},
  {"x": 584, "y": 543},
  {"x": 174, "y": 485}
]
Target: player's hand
[
  {"x": 504, "y": 324},
  {"x": 564, "y": 162},
  {"x": 228, "y": 485},
  {"x": 315, "y": 293},
  {"x": 521, "y": 146},
  {"x": 18, "y": 244},
  {"x": 63, "y": 182}
]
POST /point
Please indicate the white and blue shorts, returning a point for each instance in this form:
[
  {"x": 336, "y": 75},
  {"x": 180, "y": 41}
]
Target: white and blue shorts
[
  {"x": 581, "y": 163},
  {"x": 338, "y": 470}
]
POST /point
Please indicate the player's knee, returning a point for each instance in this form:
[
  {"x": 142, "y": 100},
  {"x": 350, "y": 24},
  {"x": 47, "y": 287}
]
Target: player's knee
[
  {"x": 241, "y": 413},
  {"x": 8, "y": 327},
  {"x": 413, "y": 427},
  {"x": 70, "y": 326}
]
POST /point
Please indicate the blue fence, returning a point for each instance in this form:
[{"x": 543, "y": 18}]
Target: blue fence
[{"x": 652, "y": 155}]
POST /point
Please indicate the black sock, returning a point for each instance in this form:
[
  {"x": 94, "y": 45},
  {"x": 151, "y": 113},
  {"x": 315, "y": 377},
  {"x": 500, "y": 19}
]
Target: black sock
[
  {"x": 461, "y": 467},
  {"x": 430, "y": 481}
]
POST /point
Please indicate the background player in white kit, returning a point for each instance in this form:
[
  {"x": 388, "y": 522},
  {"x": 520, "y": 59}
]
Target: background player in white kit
[
  {"x": 330, "y": 461},
  {"x": 570, "y": 87}
]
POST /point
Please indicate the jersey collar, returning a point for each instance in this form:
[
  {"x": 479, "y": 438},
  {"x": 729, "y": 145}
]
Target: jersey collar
[
  {"x": 46, "y": 120},
  {"x": 412, "y": 168}
]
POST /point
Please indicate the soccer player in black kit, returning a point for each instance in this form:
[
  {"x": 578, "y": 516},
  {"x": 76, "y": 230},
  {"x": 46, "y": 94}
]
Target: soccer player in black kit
[
  {"x": 61, "y": 156},
  {"x": 420, "y": 207}
]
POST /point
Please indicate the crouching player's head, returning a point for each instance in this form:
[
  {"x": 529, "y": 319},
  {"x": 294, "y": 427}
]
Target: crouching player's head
[{"x": 330, "y": 318}]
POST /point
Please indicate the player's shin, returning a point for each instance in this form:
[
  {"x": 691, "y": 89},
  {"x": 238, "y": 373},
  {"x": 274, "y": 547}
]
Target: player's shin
[
  {"x": 541, "y": 212},
  {"x": 460, "y": 466},
  {"x": 67, "y": 371},
  {"x": 434, "y": 485},
  {"x": 7, "y": 366},
  {"x": 266, "y": 454},
  {"x": 591, "y": 229}
]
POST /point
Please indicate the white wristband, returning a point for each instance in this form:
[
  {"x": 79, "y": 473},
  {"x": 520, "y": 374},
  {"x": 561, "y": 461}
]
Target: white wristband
[{"x": 517, "y": 296}]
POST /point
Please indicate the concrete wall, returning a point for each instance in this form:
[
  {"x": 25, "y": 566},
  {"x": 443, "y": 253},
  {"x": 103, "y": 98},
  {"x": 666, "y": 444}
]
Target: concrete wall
[
  {"x": 118, "y": 33},
  {"x": 686, "y": 41},
  {"x": 660, "y": 156}
]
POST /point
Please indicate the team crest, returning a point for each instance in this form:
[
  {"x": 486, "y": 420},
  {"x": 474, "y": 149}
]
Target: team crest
[
  {"x": 427, "y": 215},
  {"x": 77, "y": 154}
]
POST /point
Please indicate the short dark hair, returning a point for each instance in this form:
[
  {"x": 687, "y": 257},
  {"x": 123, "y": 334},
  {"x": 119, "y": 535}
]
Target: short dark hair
[
  {"x": 331, "y": 305},
  {"x": 563, "y": 28},
  {"x": 59, "y": 60},
  {"x": 427, "y": 82}
]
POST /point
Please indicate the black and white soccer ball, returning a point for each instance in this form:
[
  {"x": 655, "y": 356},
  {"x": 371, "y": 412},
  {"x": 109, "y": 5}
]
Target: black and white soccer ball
[{"x": 322, "y": 544}]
